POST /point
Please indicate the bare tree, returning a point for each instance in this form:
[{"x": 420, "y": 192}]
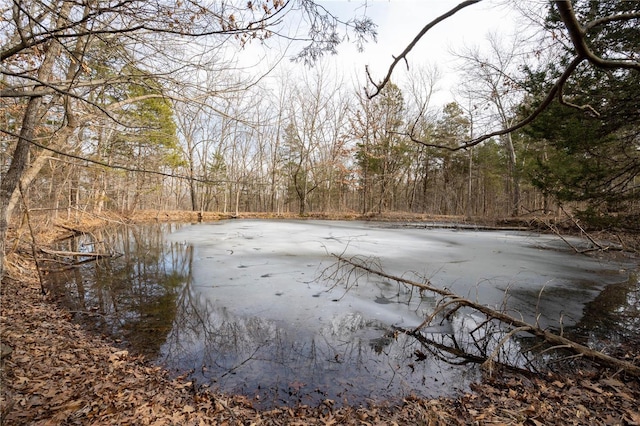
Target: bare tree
[
  {"x": 491, "y": 80},
  {"x": 421, "y": 86},
  {"x": 312, "y": 129},
  {"x": 54, "y": 54}
]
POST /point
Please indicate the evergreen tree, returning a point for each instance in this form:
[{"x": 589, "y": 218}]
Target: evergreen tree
[
  {"x": 382, "y": 153},
  {"x": 588, "y": 147},
  {"x": 451, "y": 129}
]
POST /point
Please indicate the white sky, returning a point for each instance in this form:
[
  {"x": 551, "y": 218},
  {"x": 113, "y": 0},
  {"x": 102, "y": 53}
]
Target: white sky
[{"x": 399, "y": 21}]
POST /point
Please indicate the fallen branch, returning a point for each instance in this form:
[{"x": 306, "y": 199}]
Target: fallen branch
[
  {"x": 428, "y": 343},
  {"x": 74, "y": 231},
  {"x": 585, "y": 233},
  {"x": 69, "y": 266},
  {"x": 555, "y": 230},
  {"x": 595, "y": 245},
  {"x": 488, "y": 364},
  {"x": 547, "y": 336},
  {"x": 78, "y": 254},
  {"x": 456, "y": 352}
]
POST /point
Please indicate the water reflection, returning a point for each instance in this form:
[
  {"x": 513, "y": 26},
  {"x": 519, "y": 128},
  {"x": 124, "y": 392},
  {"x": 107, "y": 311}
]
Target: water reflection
[
  {"x": 349, "y": 359},
  {"x": 131, "y": 297},
  {"x": 612, "y": 318},
  {"x": 244, "y": 313}
]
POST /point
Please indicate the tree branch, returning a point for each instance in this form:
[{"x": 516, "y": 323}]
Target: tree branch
[
  {"x": 557, "y": 87},
  {"x": 612, "y": 18},
  {"x": 163, "y": 23},
  {"x": 111, "y": 166},
  {"x": 547, "y": 336},
  {"x": 578, "y": 33},
  {"x": 405, "y": 52}
]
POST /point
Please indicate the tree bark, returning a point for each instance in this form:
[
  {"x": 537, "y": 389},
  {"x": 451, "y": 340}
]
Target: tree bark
[
  {"x": 514, "y": 176},
  {"x": 18, "y": 165}
]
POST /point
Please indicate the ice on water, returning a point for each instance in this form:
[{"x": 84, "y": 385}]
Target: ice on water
[{"x": 260, "y": 282}]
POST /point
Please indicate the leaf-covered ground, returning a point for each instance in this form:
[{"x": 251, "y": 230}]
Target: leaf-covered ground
[{"x": 55, "y": 373}]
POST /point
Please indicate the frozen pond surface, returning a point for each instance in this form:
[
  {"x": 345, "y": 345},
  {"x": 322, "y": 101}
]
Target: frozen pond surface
[
  {"x": 271, "y": 328},
  {"x": 253, "y": 306}
]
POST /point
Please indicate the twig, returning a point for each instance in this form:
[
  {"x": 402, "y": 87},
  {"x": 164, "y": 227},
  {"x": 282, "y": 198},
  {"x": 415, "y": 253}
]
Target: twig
[
  {"x": 488, "y": 364},
  {"x": 33, "y": 240},
  {"x": 235, "y": 367},
  {"x": 435, "y": 313}
]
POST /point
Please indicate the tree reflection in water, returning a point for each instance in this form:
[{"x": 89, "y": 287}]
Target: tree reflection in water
[
  {"x": 147, "y": 299},
  {"x": 131, "y": 298},
  {"x": 351, "y": 359},
  {"x": 612, "y": 318}
]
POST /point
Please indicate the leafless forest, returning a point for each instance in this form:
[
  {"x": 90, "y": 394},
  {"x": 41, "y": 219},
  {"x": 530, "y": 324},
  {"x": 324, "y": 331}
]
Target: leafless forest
[{"x": 134, "y": 105}]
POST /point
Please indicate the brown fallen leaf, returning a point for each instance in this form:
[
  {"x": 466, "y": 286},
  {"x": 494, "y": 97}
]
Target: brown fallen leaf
[
  {"x": 632, "y": 417},
  {"x": 589, "y": 385}
]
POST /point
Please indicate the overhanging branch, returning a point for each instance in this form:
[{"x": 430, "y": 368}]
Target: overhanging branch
[
  {"x": 112, "y": 166},
  {"x": 405, "y": 52},
  {"x": 578, "y": 34},
  {"x": 555, "y": 90}
]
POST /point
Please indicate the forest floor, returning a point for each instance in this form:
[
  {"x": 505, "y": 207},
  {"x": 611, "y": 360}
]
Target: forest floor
[{"x": 54, "y": 372}]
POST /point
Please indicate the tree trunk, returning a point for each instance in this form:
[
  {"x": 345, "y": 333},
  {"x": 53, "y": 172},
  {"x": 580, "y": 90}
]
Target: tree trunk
[
  {"x": 30, "y": 121},
  {"x": 514, "y": 176},
  {"x": 18, "y": 165},
  {"x": 469, "y": 207},
  {"x": 192, "y": 190}
]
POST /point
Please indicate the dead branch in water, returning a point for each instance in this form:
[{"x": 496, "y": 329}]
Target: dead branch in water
[
  {"x": 88, "y": 257},
  {"x": 437, "y": 349},
  {"x": 78, "y": 254},
  {"x": 517, "y": 324},
  {"x": 69, "y": 266},
  {"x": 585, "y": 233},
  {"x": 595, "y": 246}
]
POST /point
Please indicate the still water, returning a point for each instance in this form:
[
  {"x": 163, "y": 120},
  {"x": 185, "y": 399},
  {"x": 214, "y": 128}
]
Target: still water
[{"x": 260, "y": 307}]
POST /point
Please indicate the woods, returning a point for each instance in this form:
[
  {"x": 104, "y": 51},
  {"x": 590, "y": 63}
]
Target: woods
[{"x": 105, "y": 107}]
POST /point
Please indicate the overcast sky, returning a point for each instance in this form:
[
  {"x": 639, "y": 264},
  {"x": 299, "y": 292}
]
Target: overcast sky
[{"x": 399, "y": 21}]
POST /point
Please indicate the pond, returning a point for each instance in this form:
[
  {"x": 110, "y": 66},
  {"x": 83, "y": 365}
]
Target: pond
[{"x": 260, "y": 308}]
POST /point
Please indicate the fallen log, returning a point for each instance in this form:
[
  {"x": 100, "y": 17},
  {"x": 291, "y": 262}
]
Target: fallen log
[
  {"x": 522, "y": 326},
  {"x": 78, "y": 254},
  {"x": 74, "y": 232},
  {"x": 69, "y": 266}
]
